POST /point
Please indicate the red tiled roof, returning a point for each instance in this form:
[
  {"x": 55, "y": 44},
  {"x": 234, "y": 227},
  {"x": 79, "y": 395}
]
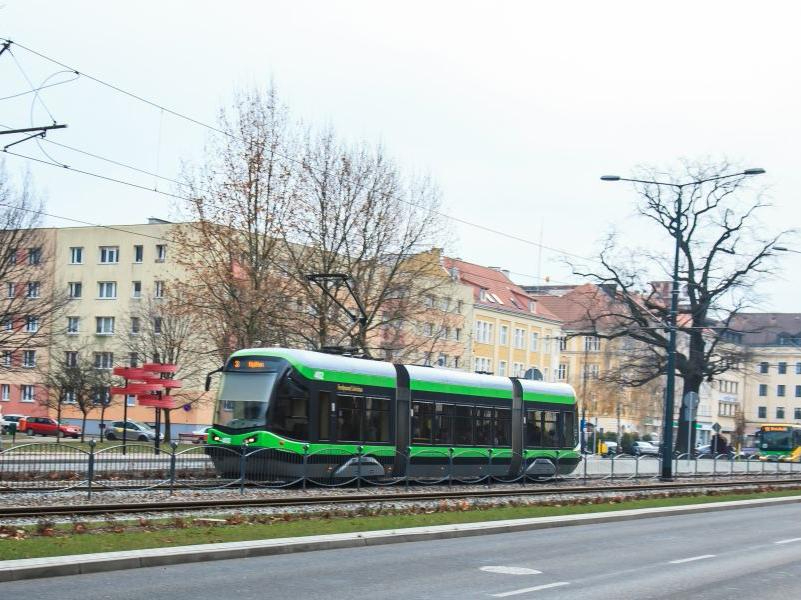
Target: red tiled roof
[
  {"x": 578, "y": 306},
  {"x": 497, "y": 286}
]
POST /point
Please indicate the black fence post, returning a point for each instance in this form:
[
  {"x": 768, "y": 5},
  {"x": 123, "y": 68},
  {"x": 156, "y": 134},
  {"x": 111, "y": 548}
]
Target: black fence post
[
  {"x": 305, "y": 465},
  {"x": 450, "y": 467},
  {"x": 408, "y": 465},
  {"x": 242, "y": 465},
  {"x": 90, "y": 472},
  {"x": 174, "y": 447},
  {"x": 359, "y": 450}
]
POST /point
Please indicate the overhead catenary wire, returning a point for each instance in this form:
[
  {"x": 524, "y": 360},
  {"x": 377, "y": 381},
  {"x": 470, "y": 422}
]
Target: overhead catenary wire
[{"x": 229, "y": 134}]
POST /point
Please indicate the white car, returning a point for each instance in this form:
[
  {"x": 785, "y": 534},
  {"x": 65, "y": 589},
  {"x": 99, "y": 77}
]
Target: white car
[{"x": 643, "y": 448}]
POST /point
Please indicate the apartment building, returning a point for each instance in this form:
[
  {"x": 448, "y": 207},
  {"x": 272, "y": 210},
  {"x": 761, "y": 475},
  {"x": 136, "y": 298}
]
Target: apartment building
[
  {"x": 112, "y": 280},
  {"x": 511, "y": 332},
  {"x": 769, "y": 385}
]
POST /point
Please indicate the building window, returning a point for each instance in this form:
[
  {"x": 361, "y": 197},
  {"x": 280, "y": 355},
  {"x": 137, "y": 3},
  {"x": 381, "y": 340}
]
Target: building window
[
  {"x": 442, "y": 360},
  {"x": 109, "y": 254},
  {"x": 592, "y": 343},
  {"x": 457, "y": 334},
  {"x": 8, "y": 323},
  {"x": 483, "y": 365},
  {"x": 763, "y": 389},
  {"x": 75, "y": 289},
  {"x": 518, "y": 369},
  {"x": 782, "y": 368},
  {"x": 28, "y": 393},
  {"x": 520, "y": 339},
  {"x": 76, "y": 255},
  {"x": 762, "y": 412},
  {"x": 798, "y": 391},
  {"x": 31, "y": 324},
  {"x": 73, "y": 324},
  {"x": 107, "y": 290},
  {"x": 34, "y": 256},
  {"x": 133, "y": 360},
  {"x": 135, "y": 326},
  {"x": 139, "y": 253},
  {"x": 71, "y": 358},
  {"x": 159, "y": 290},
  {"x": 33, "y": 289},
  {"x": 161, "y": 252},
  {"x": 535, "y": 340},
  {"x": 763, "y": 367},
  {"x": 5, "y": 392},
  {"x": 780, "y": 412},
  {"x": 157, "y": 323},
  {"x": 104, "y": 325},
  {"x": 503, "y": 335},
  {"x": 590, "y": 372},
  {"x": 6, "y": 358},
  {"x": 136, "y": 287},
  {"x": 70, "y": 398},
  {"x": 483, "y": 332},
  {"x": 11, "y": 291},
  {"x": 561, "y": 372},
  {"x": 104, "y": 360},
  {"x": 780, "y": 389},
  {"x": 797, "y": 414},
  {"x": 502, "y": 367},
  {"x": 29, "y": 358}
]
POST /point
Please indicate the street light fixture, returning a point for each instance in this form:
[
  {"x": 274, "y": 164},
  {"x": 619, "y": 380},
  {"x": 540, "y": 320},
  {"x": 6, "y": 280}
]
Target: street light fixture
[{"x": 670, "y": 385}]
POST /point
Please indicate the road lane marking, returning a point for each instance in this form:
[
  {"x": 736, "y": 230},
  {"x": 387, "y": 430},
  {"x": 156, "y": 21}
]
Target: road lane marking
[
  {"x": 788, "y": 541},
  {"x": 510, "y": 570},
  {"x": 531, "y": 589},
  {"x": 692, "y": 558}
]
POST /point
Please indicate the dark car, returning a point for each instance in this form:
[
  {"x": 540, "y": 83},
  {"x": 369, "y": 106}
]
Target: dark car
[{"x": 131, "y": 430}]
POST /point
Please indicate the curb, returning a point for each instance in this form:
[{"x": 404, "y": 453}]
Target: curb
[{"x": 79, "y": 564}]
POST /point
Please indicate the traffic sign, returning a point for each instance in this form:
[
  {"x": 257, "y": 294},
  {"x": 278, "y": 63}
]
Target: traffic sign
[{"x": 716, "y": 427}]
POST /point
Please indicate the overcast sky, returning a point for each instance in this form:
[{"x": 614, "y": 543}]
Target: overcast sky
[{"x": 515, "y": 108}]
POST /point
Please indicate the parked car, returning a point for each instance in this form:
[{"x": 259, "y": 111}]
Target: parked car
[
  {"x": 644, "y": 448},
  {"x": 47, "y": 426},
  {"x": 11, "y": 420},
  {"x": 610, "y": 448},
  {"x": 200, "y": 435},
  {"x": 3, "y": 424},
  {"x": 130, "y": 430}
]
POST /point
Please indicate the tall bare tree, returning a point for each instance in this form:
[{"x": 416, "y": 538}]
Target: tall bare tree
[
  {"x": 723, "y": 252},
  {"x": 359, "y": 216},
  {"x": 240, "y": 200}
]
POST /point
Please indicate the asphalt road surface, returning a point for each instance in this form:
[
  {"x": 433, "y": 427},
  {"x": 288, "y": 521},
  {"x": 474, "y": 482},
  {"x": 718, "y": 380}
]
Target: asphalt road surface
[{"x": 745, "y": 553}]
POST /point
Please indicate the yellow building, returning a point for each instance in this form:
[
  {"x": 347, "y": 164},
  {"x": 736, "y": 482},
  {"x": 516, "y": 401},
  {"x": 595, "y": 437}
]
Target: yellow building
[{"x": 511, "y": 332}]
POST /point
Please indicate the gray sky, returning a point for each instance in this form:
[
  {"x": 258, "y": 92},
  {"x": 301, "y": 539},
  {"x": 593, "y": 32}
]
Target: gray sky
[{"x": 515, "y": 108}]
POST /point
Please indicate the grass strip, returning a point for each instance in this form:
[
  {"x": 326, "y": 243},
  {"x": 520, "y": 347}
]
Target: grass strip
[{"x": 99, "y": 537}]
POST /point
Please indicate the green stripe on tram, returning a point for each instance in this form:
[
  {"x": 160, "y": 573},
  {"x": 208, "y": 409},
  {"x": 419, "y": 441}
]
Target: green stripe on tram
[
  {"x": 463, "y": 390},
  {"x": 550, "y": 398}
]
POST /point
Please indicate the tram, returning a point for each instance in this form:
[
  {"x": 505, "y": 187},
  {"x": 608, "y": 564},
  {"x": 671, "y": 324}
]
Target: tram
[
  {"x": 380, "y": 419},
  {"x": 779, "y": 442}
]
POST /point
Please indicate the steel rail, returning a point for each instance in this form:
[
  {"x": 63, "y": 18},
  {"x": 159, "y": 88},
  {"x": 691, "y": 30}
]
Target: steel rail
[{"x": 296, "y": 501}]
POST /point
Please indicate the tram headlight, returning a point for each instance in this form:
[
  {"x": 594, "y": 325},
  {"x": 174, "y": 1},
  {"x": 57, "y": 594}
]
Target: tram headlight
[
  {"x": 250, "y": 440},
  {"x": 216, "y": 438}
]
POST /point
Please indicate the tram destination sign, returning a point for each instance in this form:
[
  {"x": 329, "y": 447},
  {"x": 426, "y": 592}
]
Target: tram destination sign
[{"x": 252, "y": 364}]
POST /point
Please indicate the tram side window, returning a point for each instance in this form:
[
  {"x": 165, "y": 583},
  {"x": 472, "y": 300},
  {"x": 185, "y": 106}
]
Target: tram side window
[
  {"x": 533, "y": 428},
  {"x": 290, "y": 414},
  {"x": 569, "y": 429},
  {"x": 503, "y": 427},
  {"x": 323, "y": 416},
  {"x": 376, "y": 420},
  {"x": 349, "y": 409},
  {"x": 462, "y": 425},
  {"x": 485, "y": 435},
  {"x": 422, "y": 422},
  {"x": 550, "y": 429},
  {"x": 442, "y": 423}
]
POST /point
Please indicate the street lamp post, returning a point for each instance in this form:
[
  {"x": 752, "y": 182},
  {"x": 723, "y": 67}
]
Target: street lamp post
[{"x": 670, "y": 385}]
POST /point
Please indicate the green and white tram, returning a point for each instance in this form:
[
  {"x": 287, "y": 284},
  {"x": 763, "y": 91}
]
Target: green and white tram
[{"x": 392, "y": 419}]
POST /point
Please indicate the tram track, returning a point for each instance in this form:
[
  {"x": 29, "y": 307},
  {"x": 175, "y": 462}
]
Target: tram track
[{"x": 500, "y": 491}]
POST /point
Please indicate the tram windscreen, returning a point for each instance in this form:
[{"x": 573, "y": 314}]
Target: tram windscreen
[
  {"x": 776, "y": 439},
  {"x": 243, "y": 399}
]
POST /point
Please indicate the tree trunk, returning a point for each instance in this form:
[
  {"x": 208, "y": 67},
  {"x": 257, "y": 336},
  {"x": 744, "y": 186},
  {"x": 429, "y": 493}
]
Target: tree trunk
[
  {"x": 58, "y": 418},
  {"x": 692, "y": 383},
  {"x": 83, "y": 427},
  {"x": 167, "y": 434}
]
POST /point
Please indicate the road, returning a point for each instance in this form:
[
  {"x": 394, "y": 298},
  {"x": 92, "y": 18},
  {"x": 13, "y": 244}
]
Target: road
[{"x": 744, "y": 553}]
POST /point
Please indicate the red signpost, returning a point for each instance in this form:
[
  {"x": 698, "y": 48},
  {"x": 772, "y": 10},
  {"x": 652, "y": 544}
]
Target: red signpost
[{"x": 151, "y": 384}]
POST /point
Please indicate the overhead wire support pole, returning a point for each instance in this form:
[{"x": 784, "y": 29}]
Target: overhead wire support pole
[{"x": 38, "y": 132}]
